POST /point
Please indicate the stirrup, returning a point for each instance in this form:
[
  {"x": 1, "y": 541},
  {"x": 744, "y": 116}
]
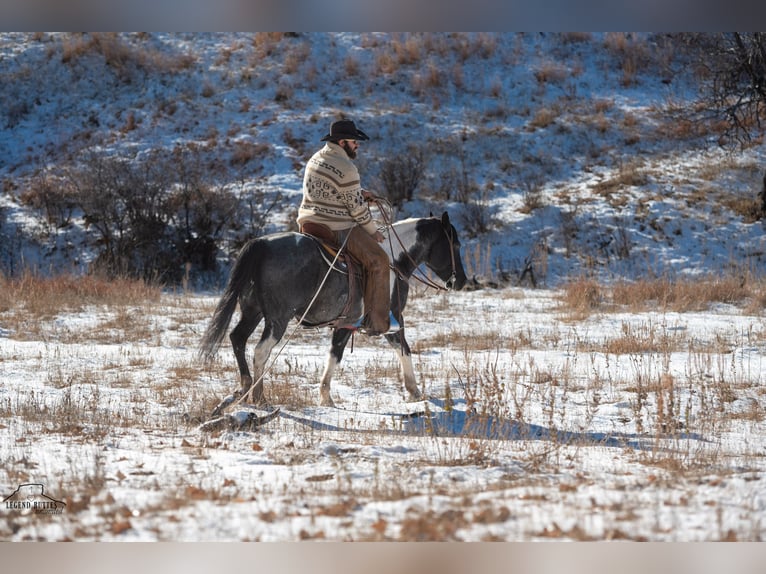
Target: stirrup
[{"x": 393, "y": 324}]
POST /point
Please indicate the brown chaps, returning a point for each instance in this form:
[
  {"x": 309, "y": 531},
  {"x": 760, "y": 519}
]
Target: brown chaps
[{"x": 374, "y": 260}]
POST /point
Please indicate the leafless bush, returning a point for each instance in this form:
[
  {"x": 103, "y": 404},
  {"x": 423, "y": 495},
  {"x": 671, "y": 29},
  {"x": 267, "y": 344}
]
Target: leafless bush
[
  {"x": 730, "y": 67},
  {"x": 54, "y": 196},
  {"x": 456, "y": 183},
  {"x": 532, "y": 197},
  {"x": 543, "y": 118},
  {"x": 152, "y": 216},
  {"x": 401, "y": 174},
  {"x": 633, "y": 53}
]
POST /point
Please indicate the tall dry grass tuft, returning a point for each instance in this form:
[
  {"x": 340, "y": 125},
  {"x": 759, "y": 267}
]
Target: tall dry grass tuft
[
  {"x": 40, "y": 296},
  {"x": 583, "y": 296},
  {"x": 687, "y": 294}
]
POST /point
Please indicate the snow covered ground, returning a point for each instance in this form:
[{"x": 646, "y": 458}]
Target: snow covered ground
[
  {"x": 623, "y": 425},
  {"x": 532, "y": 431}
]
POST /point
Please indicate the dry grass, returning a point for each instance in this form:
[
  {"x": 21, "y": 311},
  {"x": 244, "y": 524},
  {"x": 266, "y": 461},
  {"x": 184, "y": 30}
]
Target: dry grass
[
  {"x": 543, "y": 118},
  {"x": 40, "y": 296},
  {"x": 498, "y": 380},
  {"x": 630, "y": 174},
  {"x": 584, "y": 296},
  {"x": 646, "y": 338},
  {"x": 122, "y": 56}
]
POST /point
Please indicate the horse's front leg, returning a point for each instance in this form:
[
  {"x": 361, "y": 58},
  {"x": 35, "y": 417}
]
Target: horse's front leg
[
  {"x": 399, "y": 343},
  {"x": 340, "y": 338}
]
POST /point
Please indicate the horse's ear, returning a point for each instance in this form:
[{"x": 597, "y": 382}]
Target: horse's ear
[{"x": 445, "y": 219}]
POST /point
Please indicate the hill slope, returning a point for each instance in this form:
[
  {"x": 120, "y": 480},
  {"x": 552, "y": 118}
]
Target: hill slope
[{"x": 564, "y": 154}]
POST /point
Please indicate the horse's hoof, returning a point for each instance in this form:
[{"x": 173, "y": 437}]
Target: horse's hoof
[{"x": 326, "y": 402}]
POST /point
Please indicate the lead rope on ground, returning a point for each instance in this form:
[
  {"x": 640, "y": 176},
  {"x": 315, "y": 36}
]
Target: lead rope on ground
[{"x": 295, "y": 328}]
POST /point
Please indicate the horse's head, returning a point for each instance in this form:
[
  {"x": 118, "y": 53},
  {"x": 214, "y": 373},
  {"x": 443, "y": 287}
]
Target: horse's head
[{"x": 444, "y": 257}]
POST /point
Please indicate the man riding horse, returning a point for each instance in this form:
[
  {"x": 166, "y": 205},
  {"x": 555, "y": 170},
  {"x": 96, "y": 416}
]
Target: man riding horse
[{"x": 335, "y": 206}]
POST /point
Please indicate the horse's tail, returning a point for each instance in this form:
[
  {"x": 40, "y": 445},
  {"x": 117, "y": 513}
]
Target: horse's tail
[{"x": 238, "y": 278}]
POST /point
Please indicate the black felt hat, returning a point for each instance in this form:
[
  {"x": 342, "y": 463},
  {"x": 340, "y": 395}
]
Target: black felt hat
[{"x": 344, "y": 130}]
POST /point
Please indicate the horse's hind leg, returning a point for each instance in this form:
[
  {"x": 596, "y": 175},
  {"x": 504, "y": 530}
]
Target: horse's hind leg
[
  {"x": 238, "y": 337},
  {"x": 272, "y": 334},
  {"x": 340, "y": 338},
  {"x": 404, "y": 353}
]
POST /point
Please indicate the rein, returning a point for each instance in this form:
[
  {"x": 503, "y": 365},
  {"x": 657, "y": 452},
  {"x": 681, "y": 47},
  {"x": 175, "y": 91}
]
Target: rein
[{"x": 385, "y": 208}]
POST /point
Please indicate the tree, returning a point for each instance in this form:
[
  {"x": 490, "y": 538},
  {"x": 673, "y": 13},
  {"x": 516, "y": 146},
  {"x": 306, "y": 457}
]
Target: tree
[{"x": 736, "y": 65}]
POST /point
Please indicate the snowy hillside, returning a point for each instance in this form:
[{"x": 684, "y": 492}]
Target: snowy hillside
[
  {"x": 565, "y": 154},
  {"x": 582, "y": 411}
]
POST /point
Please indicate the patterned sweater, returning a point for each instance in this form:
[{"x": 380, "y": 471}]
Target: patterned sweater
[{"x": 332, "y": 192}]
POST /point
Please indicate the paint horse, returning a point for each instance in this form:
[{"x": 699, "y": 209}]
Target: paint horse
[{"x": 283, "y": 276}]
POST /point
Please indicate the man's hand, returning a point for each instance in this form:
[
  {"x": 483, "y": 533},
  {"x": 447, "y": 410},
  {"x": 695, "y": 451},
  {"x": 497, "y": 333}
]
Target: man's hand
[
  {"x": 368, "y": 195},
  {"x": 379, "y": 237}
]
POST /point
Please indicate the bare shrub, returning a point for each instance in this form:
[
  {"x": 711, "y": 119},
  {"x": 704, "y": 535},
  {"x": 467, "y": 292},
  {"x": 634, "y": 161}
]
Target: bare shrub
[
  {"x": 266, "y": 43},
  {"x": 632, "y": 52},
  {"x": 296, "y": 56},
  {"x": 575, "y": 37},
  {"x": 385, "y": 63},
  {"x": 543, "y": 118},
  {"x": 351, "y": 66},
  {"x": 533, "y": 198},
  {"x": 152, "y": 216},
  {"x": 246, "y": 151},
  {"x": 54, "y": 196},
  {"x": 408, "y": 50},
  {"x": 551, "y": 73},
  {"x": 401, "y": 174},
  {"x": 732, "y": 65},
  {"x": 750, "y": 209}
]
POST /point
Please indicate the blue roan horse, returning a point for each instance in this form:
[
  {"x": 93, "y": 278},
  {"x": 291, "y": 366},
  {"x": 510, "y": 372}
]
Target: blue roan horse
[{"x": 276, "y": 277}]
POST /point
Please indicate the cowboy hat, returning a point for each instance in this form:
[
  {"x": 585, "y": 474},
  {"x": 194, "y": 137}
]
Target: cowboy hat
[{"x": 345, "y": 130}]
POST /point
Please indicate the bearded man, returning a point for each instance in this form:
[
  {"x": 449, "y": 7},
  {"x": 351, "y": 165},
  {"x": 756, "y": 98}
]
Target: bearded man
[{"x": 333, "y": 199}]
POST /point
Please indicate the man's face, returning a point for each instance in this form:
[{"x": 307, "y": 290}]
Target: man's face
[{"x": 350, "y": 146}]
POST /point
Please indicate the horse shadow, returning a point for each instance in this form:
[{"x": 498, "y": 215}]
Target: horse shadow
[{"x": 462, "y": 423}]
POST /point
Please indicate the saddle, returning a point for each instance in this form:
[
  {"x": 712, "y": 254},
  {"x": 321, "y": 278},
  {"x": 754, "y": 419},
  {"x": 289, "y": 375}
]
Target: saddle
[
  {"x": 328, "y": 242},
  {"x": 344, "y": 263}
]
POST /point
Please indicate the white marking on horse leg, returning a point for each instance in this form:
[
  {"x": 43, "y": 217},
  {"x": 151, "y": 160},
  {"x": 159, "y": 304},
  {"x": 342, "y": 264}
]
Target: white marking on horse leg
[
  {"x": 324, "y": 389},
  {"x": 408, "y": 374},
  {"x": 260, "y": 356}
]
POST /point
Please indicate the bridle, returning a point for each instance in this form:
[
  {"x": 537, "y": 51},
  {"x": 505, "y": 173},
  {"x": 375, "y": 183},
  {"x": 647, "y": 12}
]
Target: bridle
[
  {"x": 449, "y": 283},
  {"x": 385, "y": 209}
]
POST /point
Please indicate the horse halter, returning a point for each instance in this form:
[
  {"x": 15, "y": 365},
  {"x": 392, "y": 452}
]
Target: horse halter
[{"x": 450, "y": 282}]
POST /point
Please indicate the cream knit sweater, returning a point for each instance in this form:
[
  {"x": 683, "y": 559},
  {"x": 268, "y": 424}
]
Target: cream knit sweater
[{"x": 332, "y": 192}]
